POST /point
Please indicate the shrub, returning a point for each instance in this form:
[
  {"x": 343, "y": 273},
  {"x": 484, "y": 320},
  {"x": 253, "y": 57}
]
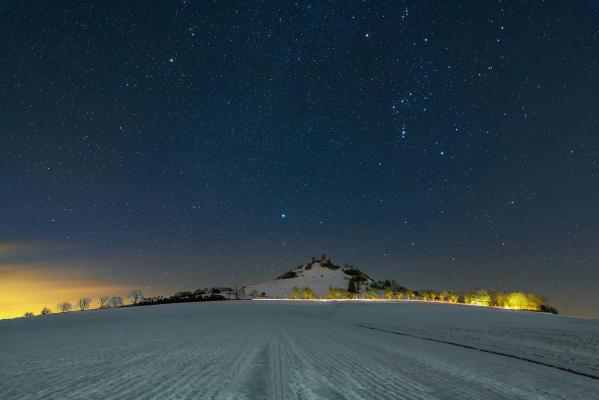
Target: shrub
[
  {"x": 388, "y": 292},
  {"x": 549, "y": 309},
  {"x": 355, "y": 273},
  {"x": 295, "y": 293},
  {"x": 449, "y": 296},
  {"x": 288, "y": 275},
  {"x": 499, "y": 299},
  {"x": 308, "y": 293},
  {"x": 328, "y": 264},
  {"x": 429, "y": 295},
  {"x": 337, "y": 293}
]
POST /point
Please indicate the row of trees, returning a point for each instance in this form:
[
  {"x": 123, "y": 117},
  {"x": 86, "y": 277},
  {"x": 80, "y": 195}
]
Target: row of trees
[
  {"x": 135, "y": 297},
  {"x": 205, "y": 294},
  {"x": 83, "y": 304},
  {"x": 484, "y": 297},
  {"x": 333, "y": 293},
  {"x": 481, "y": 297}
]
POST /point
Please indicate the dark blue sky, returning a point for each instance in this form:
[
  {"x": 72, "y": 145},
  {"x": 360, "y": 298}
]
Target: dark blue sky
[{"x": 186, "y": 144}]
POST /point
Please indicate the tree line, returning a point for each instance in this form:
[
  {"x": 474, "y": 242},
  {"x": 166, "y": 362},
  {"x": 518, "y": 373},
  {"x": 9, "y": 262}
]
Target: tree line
[
  {"x": 480, "y": 297},
  {"x": 135, "y": 297},
  {"x": 204, "y": 294},
  {"x": 492, "y": 298}
]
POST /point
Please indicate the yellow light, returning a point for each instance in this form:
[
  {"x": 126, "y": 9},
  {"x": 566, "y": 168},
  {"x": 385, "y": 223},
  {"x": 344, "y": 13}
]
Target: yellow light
[{"x": 30, "y": 288}]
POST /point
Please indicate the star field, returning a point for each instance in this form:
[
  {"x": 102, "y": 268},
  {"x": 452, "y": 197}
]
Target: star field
[{"x": 188, "y": 144}]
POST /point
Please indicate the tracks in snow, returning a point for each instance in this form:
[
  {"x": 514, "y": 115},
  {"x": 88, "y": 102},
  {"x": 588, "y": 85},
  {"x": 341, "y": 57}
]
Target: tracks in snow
[
  {"x": 465, "y": 346},
  {"x": 268, "y": 351}
]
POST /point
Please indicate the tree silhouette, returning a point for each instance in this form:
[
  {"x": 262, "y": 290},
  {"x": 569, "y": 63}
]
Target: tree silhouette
[
  {"x": 65, "y": 306},
  {"x": 84, "y": 303},
  {"x": 351, "y": 287},
  {"x": 136, "y": 296},
  {"x": 104, "y": 301},
  {"x": 238, "y": 292},
  {"x": 115, "y": 301}
]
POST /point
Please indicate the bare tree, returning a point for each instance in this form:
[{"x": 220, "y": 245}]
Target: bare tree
[
  {"x": 104, "y": 301},
  {"x": 28, "y": 314},
  {"x": 115, "y": 301},
  {"x": 136, "y": 296},
  {"x": 45, "y": 311},
  {"x": 84, "y": 303},
  {"x": 65, "y": 306},
  {"x": 238, "y": 292}
]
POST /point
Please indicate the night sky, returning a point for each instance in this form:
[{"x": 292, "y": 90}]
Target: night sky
[{"x": 176, "y": 145}]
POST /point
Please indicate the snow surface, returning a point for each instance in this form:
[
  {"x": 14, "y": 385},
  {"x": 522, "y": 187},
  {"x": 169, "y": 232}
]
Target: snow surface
[
  {"x": 317, "y": 278},
  {"x": 297, "y": 350}
]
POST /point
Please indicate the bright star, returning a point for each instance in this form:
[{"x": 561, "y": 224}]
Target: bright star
[{"x": 283, "y": 216}]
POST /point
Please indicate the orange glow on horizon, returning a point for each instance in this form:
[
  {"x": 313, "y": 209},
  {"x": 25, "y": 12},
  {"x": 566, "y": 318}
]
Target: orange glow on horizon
[{"x": 30, "y": 288}]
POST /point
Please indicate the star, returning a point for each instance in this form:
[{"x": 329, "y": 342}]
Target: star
[{"x": 283, "y": 216}]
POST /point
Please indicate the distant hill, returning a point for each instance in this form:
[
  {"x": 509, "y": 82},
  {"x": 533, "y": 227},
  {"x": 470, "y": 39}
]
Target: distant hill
[{"x": 318, "y": 275}]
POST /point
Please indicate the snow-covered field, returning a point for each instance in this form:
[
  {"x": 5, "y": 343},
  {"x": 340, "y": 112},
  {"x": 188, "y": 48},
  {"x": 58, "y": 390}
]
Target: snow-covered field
[{"x": 299, "y": 350}]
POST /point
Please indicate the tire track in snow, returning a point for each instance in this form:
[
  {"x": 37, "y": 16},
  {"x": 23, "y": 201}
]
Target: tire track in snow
[
  {"x": 275, "y": 387},
  {"x": 465, "y": 346},
  {"x": 440, "y": 372},
  {"x": 252, "y": 351},
  {"x": 326, "y": 367}
]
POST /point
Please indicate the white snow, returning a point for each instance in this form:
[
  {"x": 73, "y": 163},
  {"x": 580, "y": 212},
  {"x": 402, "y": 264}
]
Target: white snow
[
  {"x": 317, "y": 278},
  {"x": 297, "y": 350}
]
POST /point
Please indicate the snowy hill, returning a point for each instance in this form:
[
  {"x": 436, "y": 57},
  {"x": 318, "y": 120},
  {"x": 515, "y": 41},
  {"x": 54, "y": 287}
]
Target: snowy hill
[{"x": 318, "y": 275}]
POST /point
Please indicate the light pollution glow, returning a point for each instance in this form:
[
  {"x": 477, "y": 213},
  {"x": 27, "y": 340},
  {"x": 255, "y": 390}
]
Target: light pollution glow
[
  {"x": 30, "y": 288},
  {"x": 28, "y": 283}
]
